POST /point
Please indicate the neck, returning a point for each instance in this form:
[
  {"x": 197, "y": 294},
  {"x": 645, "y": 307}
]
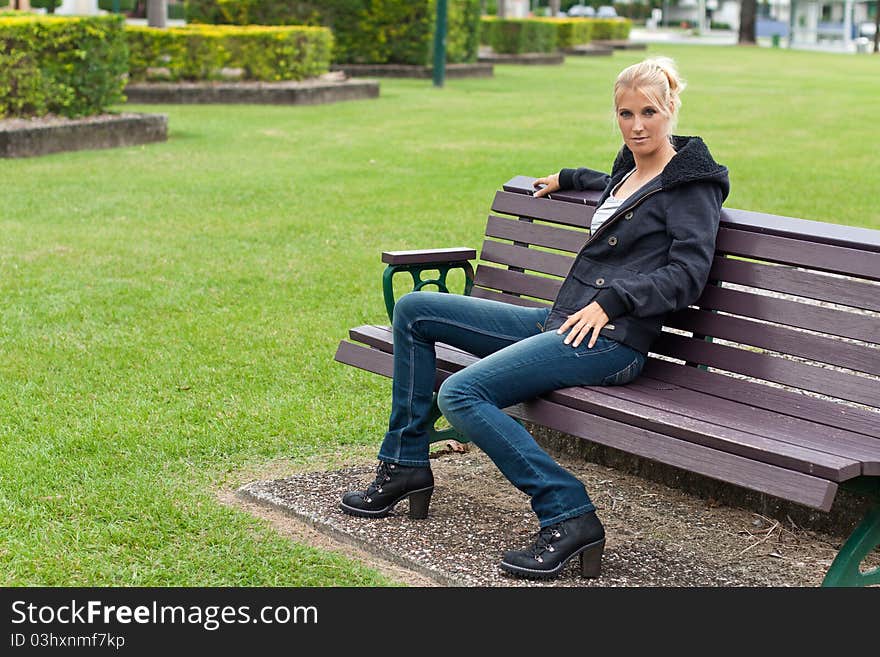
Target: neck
[{"x": 655, "y": 162}]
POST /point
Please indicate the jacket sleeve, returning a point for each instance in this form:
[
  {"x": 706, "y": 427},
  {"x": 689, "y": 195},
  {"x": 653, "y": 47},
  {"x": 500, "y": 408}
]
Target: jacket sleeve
[
  {"x": 583, "y": 179},
  {"x": 692, "y": 216}
]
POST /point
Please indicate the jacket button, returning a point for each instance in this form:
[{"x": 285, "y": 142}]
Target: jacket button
[
  {"x": 612, "y": 240},
  {"x": 600, "y": 281},
  {"x": 628, "y": 215}
]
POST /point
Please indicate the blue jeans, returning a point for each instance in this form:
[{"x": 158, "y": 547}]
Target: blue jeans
[{"x": 519, "y": 361}]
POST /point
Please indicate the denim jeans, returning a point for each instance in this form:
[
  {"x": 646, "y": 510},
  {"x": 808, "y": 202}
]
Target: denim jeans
[{"x": 519, "y": 361}]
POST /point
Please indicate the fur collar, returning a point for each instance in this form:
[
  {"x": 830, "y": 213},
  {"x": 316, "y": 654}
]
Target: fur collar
[{"x": 692, "y": 161}]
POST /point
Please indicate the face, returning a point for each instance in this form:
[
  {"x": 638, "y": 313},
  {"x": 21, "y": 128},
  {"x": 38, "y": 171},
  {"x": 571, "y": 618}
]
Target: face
[{"x": 643, "y": 127}]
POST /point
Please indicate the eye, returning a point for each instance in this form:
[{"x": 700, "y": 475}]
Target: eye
[
  {"x": 625, "y": 114},
  {"x": 649, "y": 111}
]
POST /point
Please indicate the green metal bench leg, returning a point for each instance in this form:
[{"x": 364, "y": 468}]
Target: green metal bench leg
[
  {"x": 845, "y": 569},
  {"x": 416, "y": 272},
  {"x": 438, "y": 435}
]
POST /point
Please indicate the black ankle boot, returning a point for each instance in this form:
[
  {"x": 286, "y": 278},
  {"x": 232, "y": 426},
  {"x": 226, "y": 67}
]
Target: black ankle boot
[
  {"x": 555, "y": 545},
  {"x": 393, "y": 483}
]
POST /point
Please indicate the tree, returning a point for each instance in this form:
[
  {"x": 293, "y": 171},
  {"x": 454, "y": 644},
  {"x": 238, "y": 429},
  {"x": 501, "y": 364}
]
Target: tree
[
  {"x": 747, "y": 14},
  {"x": 157, "y": 13},
  {"x": 877, "y": 27},
  {"x": 554, "y": 7}
]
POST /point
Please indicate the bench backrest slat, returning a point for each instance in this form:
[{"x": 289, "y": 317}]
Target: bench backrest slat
[
  {"x": 802, "y": 253},
  {"x": 779, "y": 339},
  {"x": 484, "y": 293},
  {"x": 558, "y": 212},
  {"x": 515, "y": 282},
  {"x": 770, "y": 368},
  {"x": 531, "y": 259},
  {"x": 791, "y": 313},
  {"x": 798, "y": 282},
  {"x": 542, "y": 235}
]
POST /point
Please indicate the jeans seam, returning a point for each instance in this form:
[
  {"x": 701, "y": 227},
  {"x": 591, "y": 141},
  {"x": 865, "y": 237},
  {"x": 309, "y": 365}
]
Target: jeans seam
[{"x": 461, "y": 326}]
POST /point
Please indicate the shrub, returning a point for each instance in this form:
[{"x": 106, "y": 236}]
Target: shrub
[
  {"x": 511, "y": 34},
  {"x": 519, "y": 35},
  {"x": 67, "y": 66},
  {"x": 199, "y": 52},
  {"x": 365, "y": 31}
]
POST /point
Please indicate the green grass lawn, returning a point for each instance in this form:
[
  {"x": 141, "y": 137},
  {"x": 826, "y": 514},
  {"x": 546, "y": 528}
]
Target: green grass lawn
[{"x": 169, "y": 313}]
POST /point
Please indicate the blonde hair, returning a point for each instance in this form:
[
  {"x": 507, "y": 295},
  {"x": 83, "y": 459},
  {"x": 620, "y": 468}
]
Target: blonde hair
[{"x": 658, "y": 79}]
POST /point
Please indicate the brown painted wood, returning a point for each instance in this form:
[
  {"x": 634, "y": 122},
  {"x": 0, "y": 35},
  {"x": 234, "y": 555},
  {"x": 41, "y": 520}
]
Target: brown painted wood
[
  {"x": 798, "y": 487},
  {"x": 686, "y": 426},
  {"x": 837, "y": 259},
  {"x": 484, "y": 293},
  {"x": 791, "y": 313},
  {"x": 516, "y": 282},
  {"x": 757, "y": 395},
  {"x": 559, "y": 212},
  {"x": 531, "y": 259},
  {"x": 564, "y": 239},
  {"x": 716, "y": 410},
  {"x": 428, "y": 256},
  {"x": 523, "y": 185},
  {"x": 795, "y": 486},
  {"x": 776, "y": 369},
  {"x": 778, "y": 338},
  {"x": 790, "y": 280}
]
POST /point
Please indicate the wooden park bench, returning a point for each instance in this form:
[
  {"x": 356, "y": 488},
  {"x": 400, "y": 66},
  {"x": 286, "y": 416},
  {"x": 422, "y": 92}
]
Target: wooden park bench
[{"x": 769, "y": 382}]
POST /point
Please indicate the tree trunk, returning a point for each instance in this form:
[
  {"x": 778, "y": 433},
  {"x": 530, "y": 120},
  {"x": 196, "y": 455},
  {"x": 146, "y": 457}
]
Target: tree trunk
[
  {"x": 502, "y": 9},
  {"x": 554, "y": 7},
  {"x": 747, "y": 15},
  {"x": 157, "y": 13}
]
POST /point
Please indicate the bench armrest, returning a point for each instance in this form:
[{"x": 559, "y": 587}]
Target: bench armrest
[
  {"x": 417, "y": 262},
  {"x": 428, "y": 256}
]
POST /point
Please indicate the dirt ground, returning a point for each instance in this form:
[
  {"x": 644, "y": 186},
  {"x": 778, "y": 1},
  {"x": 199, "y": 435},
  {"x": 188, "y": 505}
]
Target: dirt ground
[{"x": 656, "y": 535}]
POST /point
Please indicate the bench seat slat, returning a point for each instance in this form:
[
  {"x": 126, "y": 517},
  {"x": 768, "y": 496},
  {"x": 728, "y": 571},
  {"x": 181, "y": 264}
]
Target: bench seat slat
[
  {"x": 769, "y": 368},
  {"x": 854, "y": 262},
  {"x": 683, "y": 426},
  {"x": 517, "y": 282},
  {"x": 716, "y": 410},
  {"x": 558, "y": 212},
  {"x": 757, "y": 395},
  {"x": 799, "y": 487},
  {"x": 790, "y": 313},
  {"x": 777, "y": 338},
  {"x": 809, "y": 284},
  {"x": 551, "y": 237},
  {"x": 531, "y": 259}
]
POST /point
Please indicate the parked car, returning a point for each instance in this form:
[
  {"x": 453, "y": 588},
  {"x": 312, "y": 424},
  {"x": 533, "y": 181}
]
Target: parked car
[
  {"x": 581, "y": 11},
  {"x": 606, "y": 11},
  {"x": 867, "y": 29}
]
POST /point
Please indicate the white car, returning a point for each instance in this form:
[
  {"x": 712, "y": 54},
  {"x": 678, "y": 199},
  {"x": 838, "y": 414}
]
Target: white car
[
  {"x": 606, "y": 11},
  {"x": 581, "y": 11}
]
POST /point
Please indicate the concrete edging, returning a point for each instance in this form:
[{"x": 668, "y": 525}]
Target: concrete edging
[
  {"x": 271, "y": 93},
  {"x": 33, "y": 138},
  {"x": 528, "y": 58}
]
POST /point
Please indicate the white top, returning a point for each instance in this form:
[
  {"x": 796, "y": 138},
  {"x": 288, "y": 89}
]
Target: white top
[{"x": 609, "y": 207}]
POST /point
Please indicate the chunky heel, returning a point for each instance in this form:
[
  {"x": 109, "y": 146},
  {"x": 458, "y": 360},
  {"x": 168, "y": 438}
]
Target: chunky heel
[
  {"x": 418, "y": 504},
  {"x": 591, "y": 559}
]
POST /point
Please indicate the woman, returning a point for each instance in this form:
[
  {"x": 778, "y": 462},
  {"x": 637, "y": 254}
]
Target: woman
[{"x": 650, "y": 249}]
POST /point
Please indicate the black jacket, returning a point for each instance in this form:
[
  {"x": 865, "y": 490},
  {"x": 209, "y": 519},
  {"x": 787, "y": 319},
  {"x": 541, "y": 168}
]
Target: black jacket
[{"x": 653, "y": 255}]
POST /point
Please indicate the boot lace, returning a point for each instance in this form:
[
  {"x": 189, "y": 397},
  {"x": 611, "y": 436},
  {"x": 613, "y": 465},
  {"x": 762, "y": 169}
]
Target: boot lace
[
  {"x": 544, "y": 541},
  {"x": 382, "y": 475}
]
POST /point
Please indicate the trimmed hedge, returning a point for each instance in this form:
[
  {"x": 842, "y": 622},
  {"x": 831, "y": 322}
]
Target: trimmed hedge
[
  {"x": 519, "y": 35},
  {"x": 199, "y": 52},
  {"x": 68, "y": 66},
  {"x": 365, "y": 31}
]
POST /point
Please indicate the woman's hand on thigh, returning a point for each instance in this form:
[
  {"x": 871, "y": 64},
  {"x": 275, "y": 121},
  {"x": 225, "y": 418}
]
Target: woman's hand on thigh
[{"x": 590, "y": 318}]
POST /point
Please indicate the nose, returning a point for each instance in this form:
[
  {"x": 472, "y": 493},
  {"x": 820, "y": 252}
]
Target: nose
[{"x": 638, "y": 126}]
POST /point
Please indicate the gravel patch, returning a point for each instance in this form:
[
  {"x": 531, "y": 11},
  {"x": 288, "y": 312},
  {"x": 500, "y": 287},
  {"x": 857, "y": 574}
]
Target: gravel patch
[{"x": 656, "y": 535}]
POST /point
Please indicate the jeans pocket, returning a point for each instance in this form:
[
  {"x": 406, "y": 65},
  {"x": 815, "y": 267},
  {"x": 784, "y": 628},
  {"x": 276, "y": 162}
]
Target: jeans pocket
[{"x": 627, "y": 374}]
